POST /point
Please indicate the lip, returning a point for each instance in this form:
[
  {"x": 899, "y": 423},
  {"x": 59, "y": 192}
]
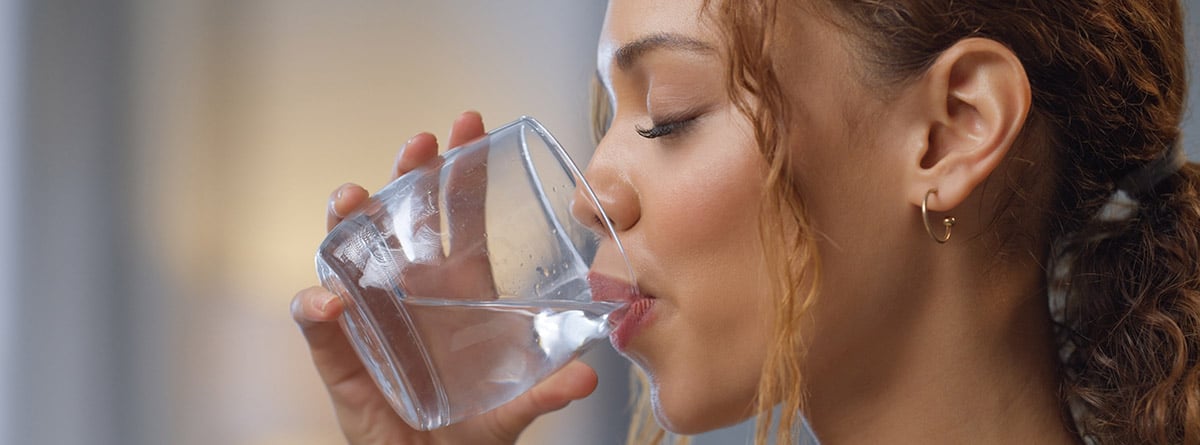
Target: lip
[{"x": 634, "y": 313}]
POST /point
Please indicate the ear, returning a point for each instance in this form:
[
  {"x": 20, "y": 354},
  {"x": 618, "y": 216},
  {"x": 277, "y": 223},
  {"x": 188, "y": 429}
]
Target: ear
[{"x": 976, "y": 97}]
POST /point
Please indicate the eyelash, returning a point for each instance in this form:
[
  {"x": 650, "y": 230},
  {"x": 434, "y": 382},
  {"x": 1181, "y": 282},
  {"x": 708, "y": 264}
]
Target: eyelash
[
  {"x": 667, "y": 129},
  {"x": 661, "y": 130}
]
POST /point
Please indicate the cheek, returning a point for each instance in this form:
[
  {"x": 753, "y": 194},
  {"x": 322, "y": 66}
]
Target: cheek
[
  {"x": 701, "y": 227},
  {"x": 702, "y": 198}
]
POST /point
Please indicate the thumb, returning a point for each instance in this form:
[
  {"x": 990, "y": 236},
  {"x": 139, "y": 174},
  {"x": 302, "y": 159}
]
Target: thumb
[{"x": 573, "y": 382}]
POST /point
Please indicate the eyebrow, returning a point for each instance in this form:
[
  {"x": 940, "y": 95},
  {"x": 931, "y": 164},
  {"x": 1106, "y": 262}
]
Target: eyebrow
[{"x": 627, "y": 56}]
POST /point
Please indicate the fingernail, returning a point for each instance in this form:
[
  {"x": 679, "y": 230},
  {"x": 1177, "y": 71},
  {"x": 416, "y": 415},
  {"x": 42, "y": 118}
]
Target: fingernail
[
  {"x": 407, "y": 143},
  {"x": 404, "y": 148},
  {"x": 475, "y": 114},
  {"x": 341, "y": 190},
  {"x": 323, "y": 306}
]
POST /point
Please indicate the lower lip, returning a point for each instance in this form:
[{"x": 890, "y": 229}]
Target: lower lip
[{"x": 630, "y": 321}]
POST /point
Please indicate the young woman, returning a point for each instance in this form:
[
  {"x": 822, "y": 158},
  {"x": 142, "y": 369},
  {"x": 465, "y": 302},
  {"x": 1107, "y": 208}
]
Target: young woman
[{"x": 913, "y": 221}]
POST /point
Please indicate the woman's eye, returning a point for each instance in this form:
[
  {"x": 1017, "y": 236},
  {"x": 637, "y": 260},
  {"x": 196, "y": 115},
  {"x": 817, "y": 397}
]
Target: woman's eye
[{"x": 660, "y": 130}]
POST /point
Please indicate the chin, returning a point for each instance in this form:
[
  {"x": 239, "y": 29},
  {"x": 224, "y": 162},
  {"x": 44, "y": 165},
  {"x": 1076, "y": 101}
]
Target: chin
[{"x": 698, "y": 408}]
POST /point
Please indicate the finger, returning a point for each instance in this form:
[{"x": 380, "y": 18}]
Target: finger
[
  {"x": 315, "y": 305},
  {"x": 315, "y": 310},
  {"x": 464, "y": 198},
  {"x": 342, "y": 201},
  {"x": 573, "y": 382},
  {"x": 415, "y": 152},
  {"x": 464, "y": 207},
  {"x": 466, "y": 128}
]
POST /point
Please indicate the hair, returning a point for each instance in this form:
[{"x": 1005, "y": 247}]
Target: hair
[{"x": 1109, "y": 83}]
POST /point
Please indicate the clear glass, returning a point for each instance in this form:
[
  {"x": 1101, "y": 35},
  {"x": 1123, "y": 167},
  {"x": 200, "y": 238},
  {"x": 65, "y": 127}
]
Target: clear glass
[{"x": 471, "y": 278}]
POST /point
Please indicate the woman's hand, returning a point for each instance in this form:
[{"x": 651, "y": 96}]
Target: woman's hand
[{"x": 363, "y": 413}]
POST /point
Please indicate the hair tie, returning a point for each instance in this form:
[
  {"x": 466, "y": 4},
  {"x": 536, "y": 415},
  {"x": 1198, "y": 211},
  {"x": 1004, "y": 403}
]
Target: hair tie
[
  {"x": 1140, "y": 183},
  {"x": 1144, "y": 180}
]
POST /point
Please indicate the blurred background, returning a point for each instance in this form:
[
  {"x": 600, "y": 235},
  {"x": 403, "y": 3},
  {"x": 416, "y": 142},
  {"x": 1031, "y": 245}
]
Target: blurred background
[{"x": 164, "y": 171}]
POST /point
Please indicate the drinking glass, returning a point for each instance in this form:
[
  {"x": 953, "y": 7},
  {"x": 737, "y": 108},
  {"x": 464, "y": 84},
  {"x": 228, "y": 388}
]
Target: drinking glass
[{"x": 471, "y": 278}]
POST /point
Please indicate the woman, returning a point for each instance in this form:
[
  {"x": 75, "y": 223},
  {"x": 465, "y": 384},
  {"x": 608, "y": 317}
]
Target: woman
[{"x": 916, "y": 221}]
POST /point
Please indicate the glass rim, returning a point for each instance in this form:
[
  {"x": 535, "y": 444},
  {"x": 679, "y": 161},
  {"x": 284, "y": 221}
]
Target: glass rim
[{"x": 557, "y": 149}]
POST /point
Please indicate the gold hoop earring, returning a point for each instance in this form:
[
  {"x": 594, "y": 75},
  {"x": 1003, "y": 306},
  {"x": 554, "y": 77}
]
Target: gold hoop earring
[{"x": 948, "y": 222}]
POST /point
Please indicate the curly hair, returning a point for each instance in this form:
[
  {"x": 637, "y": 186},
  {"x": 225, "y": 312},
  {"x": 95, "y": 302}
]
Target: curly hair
[{"x": 1109, "y": 83}]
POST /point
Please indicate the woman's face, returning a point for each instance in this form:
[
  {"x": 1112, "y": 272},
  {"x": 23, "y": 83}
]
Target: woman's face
[
  {"x": 685, "y": 204},
  {"x": 684, "y": 195}
]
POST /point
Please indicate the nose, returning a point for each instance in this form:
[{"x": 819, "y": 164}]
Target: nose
[{"x": 614, "y": 192}]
